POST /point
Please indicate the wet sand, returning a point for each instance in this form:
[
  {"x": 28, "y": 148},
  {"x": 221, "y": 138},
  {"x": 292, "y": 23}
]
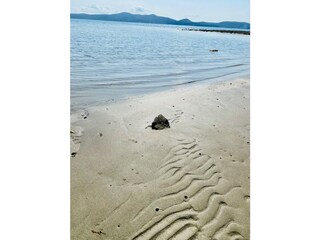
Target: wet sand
[{"x": 190, "y": 181}]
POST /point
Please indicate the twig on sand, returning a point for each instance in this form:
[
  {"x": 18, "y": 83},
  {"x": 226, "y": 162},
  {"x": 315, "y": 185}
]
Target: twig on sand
[{"x": 99, "y": 233}]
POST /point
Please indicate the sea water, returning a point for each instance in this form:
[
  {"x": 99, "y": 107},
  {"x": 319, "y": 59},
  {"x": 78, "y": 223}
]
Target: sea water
[{"x": 116, "y": 60}]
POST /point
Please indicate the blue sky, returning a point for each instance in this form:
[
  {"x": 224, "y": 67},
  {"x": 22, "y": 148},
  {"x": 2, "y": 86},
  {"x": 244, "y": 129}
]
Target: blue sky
[{"x": 196, "y": 10}]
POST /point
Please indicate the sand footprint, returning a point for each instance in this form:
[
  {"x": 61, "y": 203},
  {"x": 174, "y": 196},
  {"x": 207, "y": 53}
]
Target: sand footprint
[
  {"x": 177, "y": 115},
  {"x": 75, "y": 140}
]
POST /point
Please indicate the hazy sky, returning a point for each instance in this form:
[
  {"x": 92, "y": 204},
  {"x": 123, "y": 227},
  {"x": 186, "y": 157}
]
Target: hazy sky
[{"x": 196, "y": 10}]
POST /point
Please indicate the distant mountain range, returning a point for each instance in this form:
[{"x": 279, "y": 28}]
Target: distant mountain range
[{"x": 128, "y": 17}]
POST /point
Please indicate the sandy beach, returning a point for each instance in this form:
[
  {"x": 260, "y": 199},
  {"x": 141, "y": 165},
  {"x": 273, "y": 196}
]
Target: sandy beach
[{"x": 190, "y": 181}]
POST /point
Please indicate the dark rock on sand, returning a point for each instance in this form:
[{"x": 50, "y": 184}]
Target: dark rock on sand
[{"x": 160, "y": 123}]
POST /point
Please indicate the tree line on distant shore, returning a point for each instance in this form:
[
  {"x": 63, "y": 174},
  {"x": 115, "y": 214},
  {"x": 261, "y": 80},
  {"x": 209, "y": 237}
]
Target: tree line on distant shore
[{"x": 128, "y": 17}]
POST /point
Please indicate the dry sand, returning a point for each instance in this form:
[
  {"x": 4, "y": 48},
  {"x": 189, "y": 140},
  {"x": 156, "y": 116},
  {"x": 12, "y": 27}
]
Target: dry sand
[{"x": 191, "y": 181}]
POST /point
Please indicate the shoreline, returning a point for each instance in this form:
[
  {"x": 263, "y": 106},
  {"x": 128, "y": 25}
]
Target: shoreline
[
  {"x": 172, "y": 89},
  {"x": 129, "y": 182}
]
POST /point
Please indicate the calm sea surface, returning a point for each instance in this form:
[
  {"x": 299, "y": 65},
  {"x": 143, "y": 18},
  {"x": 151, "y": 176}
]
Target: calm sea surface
[{"x": 115, "y": 60}]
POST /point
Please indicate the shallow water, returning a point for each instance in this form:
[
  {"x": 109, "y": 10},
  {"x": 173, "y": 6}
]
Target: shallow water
[{"x": 115, "y": 60}]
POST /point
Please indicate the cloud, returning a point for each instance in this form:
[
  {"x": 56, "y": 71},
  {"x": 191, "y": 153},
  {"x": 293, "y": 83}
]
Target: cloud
[
  {"x": 193, "y": 16},
  {"x": 139, "y": 9},
  {"x": 94, "y": 9}
]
